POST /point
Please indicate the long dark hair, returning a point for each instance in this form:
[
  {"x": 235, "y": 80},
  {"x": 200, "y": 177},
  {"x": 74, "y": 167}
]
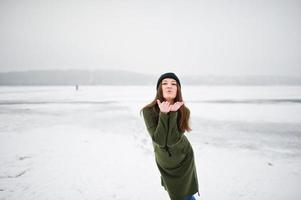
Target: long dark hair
[{"x": 184, "y": 112}]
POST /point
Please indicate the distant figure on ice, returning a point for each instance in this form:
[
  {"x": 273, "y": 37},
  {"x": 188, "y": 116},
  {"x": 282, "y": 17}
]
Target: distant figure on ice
[
  {"x": 76, "y": 87},
  {"x": 166, "y": 119}
]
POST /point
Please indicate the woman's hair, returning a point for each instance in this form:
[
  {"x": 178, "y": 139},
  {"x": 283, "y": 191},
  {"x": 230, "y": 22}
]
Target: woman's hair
[{"x": 184, "y": 112}]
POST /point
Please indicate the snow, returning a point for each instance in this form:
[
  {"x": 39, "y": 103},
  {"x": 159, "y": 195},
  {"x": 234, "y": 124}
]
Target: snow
[{"x": 58, "y": 143}]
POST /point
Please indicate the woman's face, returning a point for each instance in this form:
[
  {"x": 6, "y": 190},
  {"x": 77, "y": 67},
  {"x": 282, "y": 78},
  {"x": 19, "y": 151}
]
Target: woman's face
[{"x": 169, "y": 88}]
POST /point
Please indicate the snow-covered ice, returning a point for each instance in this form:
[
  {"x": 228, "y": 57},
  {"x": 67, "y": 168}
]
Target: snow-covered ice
[{"x": 58, "y": 143}]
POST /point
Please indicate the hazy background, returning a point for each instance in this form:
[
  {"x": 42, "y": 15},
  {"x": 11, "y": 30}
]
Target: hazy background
[
  {"x": 191, "y": 37},
  {"x": 58, "y": 141}
]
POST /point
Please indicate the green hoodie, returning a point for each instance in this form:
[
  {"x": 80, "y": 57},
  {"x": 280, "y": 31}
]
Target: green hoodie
[{"x": 173, "y": 152}]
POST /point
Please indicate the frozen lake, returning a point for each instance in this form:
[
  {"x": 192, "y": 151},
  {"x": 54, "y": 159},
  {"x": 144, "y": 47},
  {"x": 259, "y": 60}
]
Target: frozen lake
[{"x": 59, "y": 143}]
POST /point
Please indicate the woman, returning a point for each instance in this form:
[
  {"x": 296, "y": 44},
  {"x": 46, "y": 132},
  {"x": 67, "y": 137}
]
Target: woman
[{"x": 166, "y": 119}]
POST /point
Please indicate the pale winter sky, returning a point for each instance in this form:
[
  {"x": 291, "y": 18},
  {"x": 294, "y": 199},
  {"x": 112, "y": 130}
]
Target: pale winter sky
[{"x": 216, "y": 37}]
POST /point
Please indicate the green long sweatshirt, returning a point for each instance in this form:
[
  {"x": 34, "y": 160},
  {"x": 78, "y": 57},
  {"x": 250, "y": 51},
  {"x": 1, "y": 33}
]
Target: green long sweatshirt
[{"x": 173, "y": 152}]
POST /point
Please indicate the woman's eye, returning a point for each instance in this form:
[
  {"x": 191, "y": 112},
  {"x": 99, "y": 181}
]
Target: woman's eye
[{"x": 166, "y": 84}]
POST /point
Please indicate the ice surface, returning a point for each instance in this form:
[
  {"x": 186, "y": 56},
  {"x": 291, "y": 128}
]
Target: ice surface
[{"x": 59, "y": 143}]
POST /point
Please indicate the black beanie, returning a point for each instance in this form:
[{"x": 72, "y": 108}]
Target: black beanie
[{"x": 168, "y": 75}]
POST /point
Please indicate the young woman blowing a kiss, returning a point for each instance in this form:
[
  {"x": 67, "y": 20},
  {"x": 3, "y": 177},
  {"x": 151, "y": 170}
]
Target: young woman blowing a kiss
[{"x": 166, "y": 119}]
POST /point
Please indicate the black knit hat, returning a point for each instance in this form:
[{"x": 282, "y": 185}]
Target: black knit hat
[{"x": 168, "y": 75}]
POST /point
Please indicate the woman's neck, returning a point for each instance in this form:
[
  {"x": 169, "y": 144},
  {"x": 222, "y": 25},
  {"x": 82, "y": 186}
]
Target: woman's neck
[{"x": 170, "y": 101}]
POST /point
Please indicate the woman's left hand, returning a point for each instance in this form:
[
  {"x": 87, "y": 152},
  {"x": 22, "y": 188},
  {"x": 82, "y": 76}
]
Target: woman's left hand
[{"x": 176, "y": 106}]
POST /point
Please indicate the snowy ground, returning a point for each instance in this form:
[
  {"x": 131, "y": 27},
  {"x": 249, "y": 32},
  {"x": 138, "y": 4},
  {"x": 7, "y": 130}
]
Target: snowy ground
[{"x": 56, "y": 143}]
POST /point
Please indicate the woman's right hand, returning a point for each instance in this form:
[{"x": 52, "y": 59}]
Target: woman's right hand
[{"x": 164, "y": 106}]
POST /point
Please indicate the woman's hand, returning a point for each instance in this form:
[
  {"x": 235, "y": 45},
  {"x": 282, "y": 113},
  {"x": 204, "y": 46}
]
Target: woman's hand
[
  {"x": 164, "y": 106},
  {"x": 176, "y": 106}
]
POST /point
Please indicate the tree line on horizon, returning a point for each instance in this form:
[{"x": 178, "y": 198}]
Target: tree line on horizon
[{"x": 122, "y": 77}]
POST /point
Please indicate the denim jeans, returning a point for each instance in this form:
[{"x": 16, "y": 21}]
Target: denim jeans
[{"x": 190, "y": 198}]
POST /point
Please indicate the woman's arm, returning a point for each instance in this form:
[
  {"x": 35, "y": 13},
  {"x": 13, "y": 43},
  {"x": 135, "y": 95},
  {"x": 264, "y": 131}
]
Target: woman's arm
[
  {"x": 174, "y": 134},
  {"x": 157, "y": 130}
]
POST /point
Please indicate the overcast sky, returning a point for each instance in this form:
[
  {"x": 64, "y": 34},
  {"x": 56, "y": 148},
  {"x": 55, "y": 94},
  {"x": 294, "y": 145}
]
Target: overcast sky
[{"x": 243, "y": 37}]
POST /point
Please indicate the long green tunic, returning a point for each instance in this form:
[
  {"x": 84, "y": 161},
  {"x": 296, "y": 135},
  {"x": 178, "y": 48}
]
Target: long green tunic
[{"x": 174, "y": 154}]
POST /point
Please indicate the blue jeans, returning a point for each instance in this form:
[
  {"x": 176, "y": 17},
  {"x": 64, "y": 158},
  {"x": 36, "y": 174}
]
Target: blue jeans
[{"x": 190, "y": 198}]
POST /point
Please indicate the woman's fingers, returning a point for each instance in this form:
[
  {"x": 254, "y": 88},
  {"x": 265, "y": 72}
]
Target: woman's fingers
[
  {"x": 164, "y": 105},
  {"x": 158, "y": 102},
  {"x": 180, "y": 103},
  {"x": 177, "y": 105}
]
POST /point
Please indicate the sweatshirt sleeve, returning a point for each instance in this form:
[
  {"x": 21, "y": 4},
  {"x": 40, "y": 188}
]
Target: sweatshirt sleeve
[
  {"x": 158, "y": 130},
  {"x": 174, "y": 133}
]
